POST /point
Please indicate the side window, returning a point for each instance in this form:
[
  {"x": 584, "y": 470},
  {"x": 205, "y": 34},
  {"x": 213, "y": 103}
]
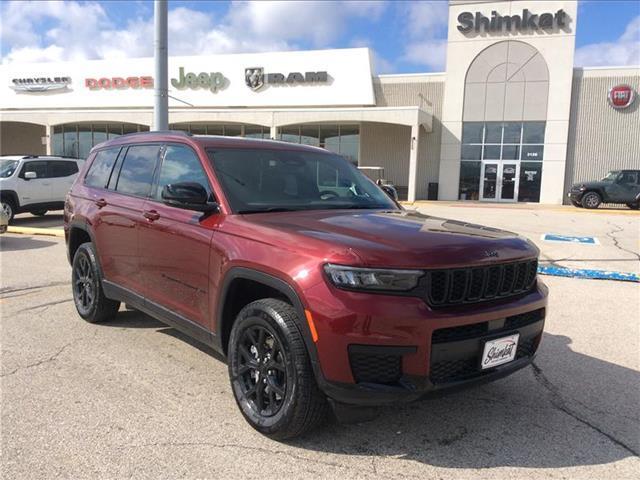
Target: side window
[
  {"x": 100, "y": 169},
  {"x": 630, "y": 178},
  {"x": 181, "y": 164},
  {"x": 59, "y": 168},
  {"x": 39, "y": 167},
  {"x": 136, "y": 173}
]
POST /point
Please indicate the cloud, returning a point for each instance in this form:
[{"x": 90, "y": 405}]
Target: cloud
[
  {"x": 56, "y": 31},
  {"x": 426, "y": 25},
  {"x": 624, "y": 51}
]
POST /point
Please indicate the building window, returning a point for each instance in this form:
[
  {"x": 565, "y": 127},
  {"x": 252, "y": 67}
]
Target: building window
[
  {"x": 77, "y": 140},
  {"x": 518, "y": 143},
  {"x": 226, "y": 130},
  {"x": 341, "y": 139}
]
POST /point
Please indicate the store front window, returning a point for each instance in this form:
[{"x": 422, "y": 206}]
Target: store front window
[
  {"x": 341, "y": 139},
  {"x": 501, "y": 161},
  {"x": 227, "y": 130},
  {"x": 77, "y": 140}
]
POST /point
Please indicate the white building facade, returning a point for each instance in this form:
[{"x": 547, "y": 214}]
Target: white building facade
[{"x": 510, "y": 120}]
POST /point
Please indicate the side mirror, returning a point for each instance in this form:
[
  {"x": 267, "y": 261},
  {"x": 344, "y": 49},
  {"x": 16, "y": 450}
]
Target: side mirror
[
  {"x": 390, "y": 191},
  {"x": 30, "y": 175},
  {"x": 188, "y": 195}
]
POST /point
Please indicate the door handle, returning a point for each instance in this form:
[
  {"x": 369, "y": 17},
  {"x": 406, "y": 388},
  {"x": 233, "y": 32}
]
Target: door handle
[
  {"x": 101, "y": 202},
  {"x": 151, "y": 215}
]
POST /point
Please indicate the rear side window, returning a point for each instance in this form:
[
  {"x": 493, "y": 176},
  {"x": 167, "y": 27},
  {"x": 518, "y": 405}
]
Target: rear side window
[
  {"x": 136, "y": 173},
  {"x": 61, "y": 168},
  {"x": 39, "y": 167},
  {"x": 181, "y": 164},
  {"x": 100, "y": 169}
]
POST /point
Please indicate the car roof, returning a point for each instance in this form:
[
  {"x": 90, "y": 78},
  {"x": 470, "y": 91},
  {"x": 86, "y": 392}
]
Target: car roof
[
  {"x": 206, "y": 141},
  {"x": 39, "y": 157}
]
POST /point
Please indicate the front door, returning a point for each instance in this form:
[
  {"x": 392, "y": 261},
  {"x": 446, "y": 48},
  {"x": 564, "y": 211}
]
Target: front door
[
  {"x": 176, "y": 243},
  {"x": 499, "y": 181}
]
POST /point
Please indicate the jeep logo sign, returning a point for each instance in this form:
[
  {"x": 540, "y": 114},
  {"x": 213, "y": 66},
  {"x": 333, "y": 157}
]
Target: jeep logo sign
[
  {"x": 621, "y": 96},
  {"x": 498, "y": 23},
  {"x": 213, "y": 81}
]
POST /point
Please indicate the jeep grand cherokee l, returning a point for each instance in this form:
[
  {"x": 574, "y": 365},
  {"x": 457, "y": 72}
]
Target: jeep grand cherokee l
[{"x": 317, "y": 287}]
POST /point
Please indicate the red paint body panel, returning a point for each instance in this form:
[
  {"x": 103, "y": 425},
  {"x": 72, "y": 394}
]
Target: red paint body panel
[{"x": 181, "y": 260}]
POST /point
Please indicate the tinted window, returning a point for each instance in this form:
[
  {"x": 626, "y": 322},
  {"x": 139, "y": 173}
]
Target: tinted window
[
  {"x": 533, "y": 132},
  {"x": 39, "y": 167},
  {"x": 181, "y": 164},
  {"x": 62, "y": 169},
  {"x": 257, "y": 180},
  {"x": 628, "y": 177},
  {"x": 136, "y": 174},
  {"x": 100, "y": 169}
]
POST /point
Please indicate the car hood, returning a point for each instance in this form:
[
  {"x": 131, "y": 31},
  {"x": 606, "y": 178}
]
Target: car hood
[
  {"x": 404, "y": 239},
  {"x": 592, "y": 184}
]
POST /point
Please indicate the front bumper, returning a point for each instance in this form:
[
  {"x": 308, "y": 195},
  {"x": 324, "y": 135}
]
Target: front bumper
[
  {"x": 436, "y": 350},
  {"x": 575, "y": 195}
]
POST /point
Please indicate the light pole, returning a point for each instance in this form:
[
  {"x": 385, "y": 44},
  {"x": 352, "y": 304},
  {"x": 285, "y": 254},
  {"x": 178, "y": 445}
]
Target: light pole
[{"x": 161, "y": 104}]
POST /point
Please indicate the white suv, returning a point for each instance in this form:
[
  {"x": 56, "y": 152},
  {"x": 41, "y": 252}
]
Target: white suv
[{"x": 35, "y": 183}]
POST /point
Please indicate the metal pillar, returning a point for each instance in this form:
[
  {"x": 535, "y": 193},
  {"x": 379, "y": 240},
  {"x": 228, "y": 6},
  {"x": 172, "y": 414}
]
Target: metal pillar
[
  {"x": 161, "y": 105},
  {"x": 413, "y": 162}
]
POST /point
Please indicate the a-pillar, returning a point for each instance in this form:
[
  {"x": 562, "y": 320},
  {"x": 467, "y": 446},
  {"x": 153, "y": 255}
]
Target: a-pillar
[{"x": 413, "y": 162}]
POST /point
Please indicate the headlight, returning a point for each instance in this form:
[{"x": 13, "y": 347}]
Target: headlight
[
  {"x": 582, "y": 188},
  {"x": 372, "y": 278}
]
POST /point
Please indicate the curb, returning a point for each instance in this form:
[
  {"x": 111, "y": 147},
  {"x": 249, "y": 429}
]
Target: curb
[{"x": 52, "y": 232}]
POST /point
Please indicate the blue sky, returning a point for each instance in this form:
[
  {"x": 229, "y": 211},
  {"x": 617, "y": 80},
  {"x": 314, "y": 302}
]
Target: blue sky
[{"x": 404, "y": 36}]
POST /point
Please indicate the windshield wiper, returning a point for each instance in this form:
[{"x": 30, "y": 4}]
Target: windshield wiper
[{"x": 269, "y": 210}]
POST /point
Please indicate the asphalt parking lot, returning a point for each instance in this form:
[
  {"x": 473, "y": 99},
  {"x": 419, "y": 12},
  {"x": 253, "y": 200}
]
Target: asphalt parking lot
[{"x": 133, "y": 398}]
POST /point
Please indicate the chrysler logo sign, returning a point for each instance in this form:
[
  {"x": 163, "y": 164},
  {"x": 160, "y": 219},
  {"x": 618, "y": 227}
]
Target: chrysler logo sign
[
  {"x": 621, "y": 96},
  {"x": 255, "y": 78},
  {"x": 497, "y": 23},
  {"x": 40, "y": 84}
]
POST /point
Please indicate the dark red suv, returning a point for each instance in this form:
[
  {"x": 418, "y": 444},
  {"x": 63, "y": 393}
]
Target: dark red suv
[{"x": 317, "y": 287}]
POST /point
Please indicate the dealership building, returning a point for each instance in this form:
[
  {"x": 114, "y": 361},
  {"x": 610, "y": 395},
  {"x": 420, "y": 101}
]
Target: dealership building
[{"x": 510, "y": 119}]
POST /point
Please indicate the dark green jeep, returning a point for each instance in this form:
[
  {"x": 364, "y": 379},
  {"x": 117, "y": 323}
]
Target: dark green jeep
[{"x": 618, "y": 186}]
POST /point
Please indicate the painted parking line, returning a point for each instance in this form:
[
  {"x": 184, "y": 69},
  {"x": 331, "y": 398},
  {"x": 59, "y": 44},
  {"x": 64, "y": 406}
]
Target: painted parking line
[
  {"x": 587, "y": 273},
  {"x": 52, "y": 232},
  {"x": 582, "y": 240}
]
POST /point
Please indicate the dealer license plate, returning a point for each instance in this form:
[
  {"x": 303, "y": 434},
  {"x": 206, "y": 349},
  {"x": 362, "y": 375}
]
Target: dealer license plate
[{"x": 499, "y": 351}]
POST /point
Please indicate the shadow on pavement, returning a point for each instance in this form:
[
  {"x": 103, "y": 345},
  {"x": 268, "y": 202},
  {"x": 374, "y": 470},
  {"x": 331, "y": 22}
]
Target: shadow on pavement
[
  {"x": 568, "y": 409},
  {"x": 50, "y": 220},
  {"x": 15, "y": 244}
]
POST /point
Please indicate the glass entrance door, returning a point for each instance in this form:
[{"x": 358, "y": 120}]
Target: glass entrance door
[{"x": 499, "y": 181}]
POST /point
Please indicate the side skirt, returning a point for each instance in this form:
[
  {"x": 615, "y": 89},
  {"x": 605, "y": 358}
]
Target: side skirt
[{"x": 172, "y": 319}]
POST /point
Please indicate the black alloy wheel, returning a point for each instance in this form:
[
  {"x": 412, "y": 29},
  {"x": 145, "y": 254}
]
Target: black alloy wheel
[
  {"x": 591, "y": 200},
  {"x": 86, "y": 284},
  {"x": 262, "y": 371},
  {"x": 270, "y": 371}
]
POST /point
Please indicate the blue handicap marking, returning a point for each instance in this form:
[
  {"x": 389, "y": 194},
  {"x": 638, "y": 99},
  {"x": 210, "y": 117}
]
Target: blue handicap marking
[{"x": 553, "y": 237}]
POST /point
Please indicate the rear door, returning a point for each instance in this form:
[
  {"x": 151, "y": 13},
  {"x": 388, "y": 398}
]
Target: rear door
[
  {"x": 62, "y": 174},
  {"x": 119, "y": 213},
  {"x": 175, "y": 243},
  {"x": 627, "y": 187},
  {"x": 35, "y": 190}
]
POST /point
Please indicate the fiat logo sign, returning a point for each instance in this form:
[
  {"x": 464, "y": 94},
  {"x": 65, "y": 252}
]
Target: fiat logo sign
[{"x": 621, "y": 96}]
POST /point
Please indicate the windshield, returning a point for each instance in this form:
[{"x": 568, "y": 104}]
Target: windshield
[
  {"x": 258, "y": 180},
  {"x": 611, "y": 176},
  {"x": 7, "y": 167}
]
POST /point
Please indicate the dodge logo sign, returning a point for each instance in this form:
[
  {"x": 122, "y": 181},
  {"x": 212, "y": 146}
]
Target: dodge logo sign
[{"x": 621, "y": 96}]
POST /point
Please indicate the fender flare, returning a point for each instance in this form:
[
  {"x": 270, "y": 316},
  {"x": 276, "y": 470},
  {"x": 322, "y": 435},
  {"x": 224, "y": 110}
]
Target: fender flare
[
  {"x": 278, "y": 284},
  {"x": 13, "y": 196}
]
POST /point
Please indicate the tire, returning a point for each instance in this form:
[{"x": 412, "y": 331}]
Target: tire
[
  {"x": 266, "y": 344},
  {"x": 9, "y": 208},
  {"x": 634, "y": 206},
  {"x": 86, "y": 283},
  {"x": 576, "y": 204},
  {"x": 591, "y": 200},
  {"x": 39, "y": 213}
]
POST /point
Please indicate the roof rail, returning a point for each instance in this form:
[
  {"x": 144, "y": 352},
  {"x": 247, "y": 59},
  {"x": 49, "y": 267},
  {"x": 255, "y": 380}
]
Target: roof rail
[{"x": 155, "y": 132}]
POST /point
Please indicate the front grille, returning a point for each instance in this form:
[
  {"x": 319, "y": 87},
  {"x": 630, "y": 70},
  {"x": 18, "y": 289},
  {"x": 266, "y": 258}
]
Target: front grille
[
  {"x": 453, "y": 370},
  {"x": 475, "y": 330},
  {"x": 470, "y": 285},
  {"x": 375, "y": 368}
]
